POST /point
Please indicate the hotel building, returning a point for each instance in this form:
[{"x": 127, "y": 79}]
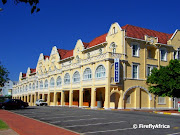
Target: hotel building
[{"x": 109, "y": 72}]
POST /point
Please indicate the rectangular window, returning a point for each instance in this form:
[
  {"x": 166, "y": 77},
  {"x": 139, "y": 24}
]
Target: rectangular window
[
  {"x": 135, "y": 71},
  {"x": 135, "y": 50},
  {"x": 149, "y": 68},
  {"x": 163, "y": 55},
  {"x": 161, "y": 100}
]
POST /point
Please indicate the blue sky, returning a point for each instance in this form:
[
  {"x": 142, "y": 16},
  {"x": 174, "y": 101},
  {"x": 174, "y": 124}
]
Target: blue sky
[{"x": 62, "y": 22}]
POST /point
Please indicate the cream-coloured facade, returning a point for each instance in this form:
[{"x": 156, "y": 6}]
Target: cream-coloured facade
[{"x": 84, "y": 76}]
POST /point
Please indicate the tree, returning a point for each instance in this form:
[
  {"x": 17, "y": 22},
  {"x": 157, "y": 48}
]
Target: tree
[
  {"x": 32, "y": 3},
  {"x": 166, "y": 80},
  {"x": 3, "y": 75}
]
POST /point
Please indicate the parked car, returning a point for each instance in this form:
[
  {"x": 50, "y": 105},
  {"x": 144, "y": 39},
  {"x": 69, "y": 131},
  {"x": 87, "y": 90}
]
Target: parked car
[
  {"x": 13, "y": 104},
  {"x": 41, "y": 102}
]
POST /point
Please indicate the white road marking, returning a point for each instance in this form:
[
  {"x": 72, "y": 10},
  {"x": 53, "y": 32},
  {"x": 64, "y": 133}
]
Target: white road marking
[
  {"x": 107, "y": 131},
  {"x": 76, "y": 120},
  {"x": 174, "y": 133},
  {"x": 95, "y": 124},
  {"x": 67, "y": 117}
]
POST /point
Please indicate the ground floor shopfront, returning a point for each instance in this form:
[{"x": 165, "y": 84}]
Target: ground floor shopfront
[{"x": 135, "y": 97}]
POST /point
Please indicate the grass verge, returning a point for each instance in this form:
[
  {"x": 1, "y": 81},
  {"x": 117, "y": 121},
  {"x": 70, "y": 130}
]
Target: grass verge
[{"x": 3, "y": 125}]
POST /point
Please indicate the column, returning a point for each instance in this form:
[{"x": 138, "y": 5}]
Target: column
[
  {"x": 35, "y": 99},
  {"x": 70, "y": 98},
  {"x": 55, "y": 98},
  {"x": 48, "y": 99},
  {"x": 107, "y": 88},
  {"x": 62, "y": 98},
  {"x": 93, "y": 97},
  {"x": 31, "y": 101},
  {"x": 43, "y": 96},
  {"x": 170, "y": 102},
  {"x": 81, "y": 97},
  {"x": 28, "y": 98},
  {"x": 121, "y": 101},
  {"x": 137, "y": 98},
  {"x": 151, "y": 102}
]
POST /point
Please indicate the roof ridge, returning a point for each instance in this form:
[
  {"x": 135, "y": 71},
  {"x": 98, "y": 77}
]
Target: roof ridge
[{"x": 146, "y": 28}]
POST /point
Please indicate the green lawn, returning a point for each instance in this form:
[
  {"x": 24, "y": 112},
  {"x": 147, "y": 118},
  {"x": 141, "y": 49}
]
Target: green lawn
[{"x": 3, "y": 125}]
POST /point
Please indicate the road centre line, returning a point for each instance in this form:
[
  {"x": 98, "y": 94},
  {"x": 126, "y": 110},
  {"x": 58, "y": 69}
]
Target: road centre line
[
  {"x": 76, "y": 120},
  {"x": 107, "y": 131},
  {"x": 67, "y": 117},
  {"x": 96, "y": 124}
]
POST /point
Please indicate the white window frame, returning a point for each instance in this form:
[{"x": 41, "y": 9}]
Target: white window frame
[
  {"x": 59, "y": 81},
  {"x": 67, "y": 78},
  {"x": 76, "y": 77},
  {"x": 163, "y": 49},
  {"x": 101, "y": 73},
  {"x": 52, "y": 82},
  {"x": 46, "y": 84},
  {"x": 161, "y": 100},
  {"x": 138, "y": 48},
  {"x": 87, "y": 75},
  {"x": 135, "y": 64}
]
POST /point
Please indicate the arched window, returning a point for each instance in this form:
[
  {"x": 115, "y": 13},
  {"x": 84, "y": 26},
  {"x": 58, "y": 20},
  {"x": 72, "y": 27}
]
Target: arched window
[
  {"x": 87, "y": 74},
  {"x": 26, "y": 88},
  {"x": 59, "y": 81},
  {"x": 37, "y": 85},
  {"x": 41, "y": 84},
  {"x": 113, "y": 46},
  {"x": 52, "y": 82},
  {"x": 67, "y": 78},
  {"x": 30, "y": 86},
  {"x": 100, "y": 71},
  {"x": 100, "y": 51},
  {"x": 46, "y": 84},
  {"x": 76, "y": 77},
  {"x": 114, "y": 30},
  {"x": 33, "y": 86}
]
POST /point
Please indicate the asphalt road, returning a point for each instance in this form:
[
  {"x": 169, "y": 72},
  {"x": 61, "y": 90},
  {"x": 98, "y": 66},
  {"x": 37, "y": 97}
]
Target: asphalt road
[{"x": 105, "y": 122}]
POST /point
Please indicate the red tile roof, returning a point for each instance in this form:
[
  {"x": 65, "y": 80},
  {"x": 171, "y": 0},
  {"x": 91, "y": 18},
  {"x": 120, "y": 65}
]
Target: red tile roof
[
  {"x": 65, "y": 53},
  {"x": 23, "y": 74},
  {"x": 138, "y": 32},
  {"x": 33, "y": 70},
  {"x": 45, "y": 56},
  {"x": 96, "y": 41}
]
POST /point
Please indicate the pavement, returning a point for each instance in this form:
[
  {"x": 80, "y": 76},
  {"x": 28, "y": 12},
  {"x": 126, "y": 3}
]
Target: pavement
[{"x": 26, "y": 126}]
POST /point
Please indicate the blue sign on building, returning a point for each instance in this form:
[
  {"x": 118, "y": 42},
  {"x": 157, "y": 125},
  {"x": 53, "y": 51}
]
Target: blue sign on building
[{"x": 116, "y": 70}]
